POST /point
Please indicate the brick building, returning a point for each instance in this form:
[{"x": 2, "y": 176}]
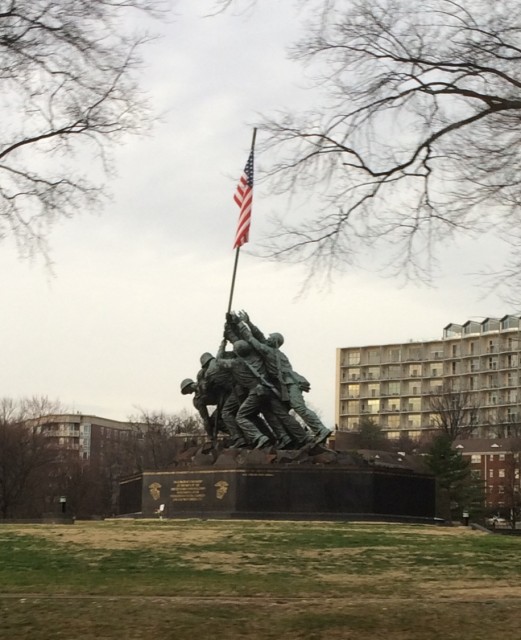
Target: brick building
[{"x": 497, "y": 463}]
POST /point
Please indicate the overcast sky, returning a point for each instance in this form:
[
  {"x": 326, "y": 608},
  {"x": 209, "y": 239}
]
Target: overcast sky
[{"x": 140, "y": 290}]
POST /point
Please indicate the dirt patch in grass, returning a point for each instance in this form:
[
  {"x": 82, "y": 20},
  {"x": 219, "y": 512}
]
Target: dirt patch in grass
[
  {"x": 414, "y": 530},
  {"x": 99, "y": 537},
  {"x": 225, "y": 562},
  {"x": 466, "y": 591}
]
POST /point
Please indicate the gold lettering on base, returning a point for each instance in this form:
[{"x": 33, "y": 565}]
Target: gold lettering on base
[{"x": 188, "y": 491}]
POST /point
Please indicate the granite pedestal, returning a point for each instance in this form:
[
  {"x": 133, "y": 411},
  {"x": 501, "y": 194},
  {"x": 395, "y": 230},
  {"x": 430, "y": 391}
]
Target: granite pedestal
[{"x": 283, "y": 491}]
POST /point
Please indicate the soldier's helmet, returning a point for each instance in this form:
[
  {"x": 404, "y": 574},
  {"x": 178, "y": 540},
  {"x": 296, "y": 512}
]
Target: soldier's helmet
[
  {"x": 205, "y": 359},
  {"x": 276, "y": 339},
  {"x": 187, "y": 382},
  {"x": 241, "y": 348}
]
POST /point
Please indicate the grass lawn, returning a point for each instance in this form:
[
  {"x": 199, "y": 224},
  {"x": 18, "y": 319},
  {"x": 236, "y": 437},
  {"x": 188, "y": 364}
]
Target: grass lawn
[{"x": 192, "y": 579}]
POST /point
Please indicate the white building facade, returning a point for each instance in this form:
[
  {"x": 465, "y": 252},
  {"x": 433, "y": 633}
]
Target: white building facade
[{"x": 395, "y": 384}]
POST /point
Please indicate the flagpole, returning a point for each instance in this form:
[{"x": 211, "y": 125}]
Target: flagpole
[
  {"x": 236, "y": 261},
  {"x": 233, "y": 278}
]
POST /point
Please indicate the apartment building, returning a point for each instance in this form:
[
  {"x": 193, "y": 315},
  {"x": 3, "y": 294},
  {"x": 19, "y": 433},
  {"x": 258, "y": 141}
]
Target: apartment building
[
  {"x": 84, "y": 437},
  {"x": 396, "y": 384}
]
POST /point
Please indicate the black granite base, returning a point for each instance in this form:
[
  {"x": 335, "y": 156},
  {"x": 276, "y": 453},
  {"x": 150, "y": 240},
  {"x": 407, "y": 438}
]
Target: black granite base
[{"x": 284, "y": 492}]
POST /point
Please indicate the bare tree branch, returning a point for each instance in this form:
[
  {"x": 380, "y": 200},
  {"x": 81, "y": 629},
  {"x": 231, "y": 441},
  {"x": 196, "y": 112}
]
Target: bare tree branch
[
  {"x": 454, "y": 411},
  {"x": 417, "y": 136},
  {"x": 68, "y": 88}
]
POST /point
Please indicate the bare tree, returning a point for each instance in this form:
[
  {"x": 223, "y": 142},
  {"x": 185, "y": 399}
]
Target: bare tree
[
  {"x": 26, "y": 457},
  {"x": 453, "y": 411},
  {"x": 68, "y": 90},
  {"x": 160, "y": 440},
  {"x": 416, "y": 137}
]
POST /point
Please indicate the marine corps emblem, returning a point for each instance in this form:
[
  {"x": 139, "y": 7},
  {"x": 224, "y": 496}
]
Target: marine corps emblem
[
  {"x": 155, "y": 490},
  {"x": 221, "y": 489}
]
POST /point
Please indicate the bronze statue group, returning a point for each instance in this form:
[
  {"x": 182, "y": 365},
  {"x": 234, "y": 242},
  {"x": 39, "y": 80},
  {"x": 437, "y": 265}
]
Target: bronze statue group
[{"x": 254, "y": 391}]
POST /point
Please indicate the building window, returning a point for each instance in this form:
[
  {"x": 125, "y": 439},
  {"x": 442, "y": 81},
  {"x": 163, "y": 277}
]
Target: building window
[
  {"x": 414, "y": 404},
  {"x": 510, "y": 323},
  {"x": 394, "y": 388},
  {"x": 435, "y": 386},
  {"x": 394, "y": 421},
  {"x": 501, "y": 473},
  {"x": 414, "y": 388},
  {"x": 353, "y": 391},
  {"x": 353, "y": 357},
  {"x": 502, "y": 457},
  {"x": 414, "y": 420},
  {"x": 374, "y": 357},
  {"x": 373, "y": 406},
  {"x": 491, "y": 473},
  {"x": 475, "y": 458},
  {"x": 373, "y": 390}
]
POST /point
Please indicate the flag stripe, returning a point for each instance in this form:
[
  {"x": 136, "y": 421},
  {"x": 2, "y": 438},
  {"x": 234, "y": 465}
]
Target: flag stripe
[{"x": 244, "y": 197}]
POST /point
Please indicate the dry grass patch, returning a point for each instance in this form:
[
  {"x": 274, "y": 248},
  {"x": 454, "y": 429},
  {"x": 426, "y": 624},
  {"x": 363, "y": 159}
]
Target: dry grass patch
[
  {"x": 124, "y": 536},
  {"x": 224, "y": 562}
]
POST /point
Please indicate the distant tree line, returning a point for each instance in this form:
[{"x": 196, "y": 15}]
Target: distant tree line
[{"x": 35, "y": 473}]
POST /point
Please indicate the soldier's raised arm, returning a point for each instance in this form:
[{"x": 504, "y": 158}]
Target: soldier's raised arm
[{"x": 255, "y": 331}]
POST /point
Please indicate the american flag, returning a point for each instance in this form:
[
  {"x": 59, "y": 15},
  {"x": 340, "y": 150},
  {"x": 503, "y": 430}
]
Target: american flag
[{"x": 243, "y": 197}]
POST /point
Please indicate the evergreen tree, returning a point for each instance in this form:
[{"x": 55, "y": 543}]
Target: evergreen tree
[
  {"x": 454, "y": 478},
  {"x": 370, "y": 435}
]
